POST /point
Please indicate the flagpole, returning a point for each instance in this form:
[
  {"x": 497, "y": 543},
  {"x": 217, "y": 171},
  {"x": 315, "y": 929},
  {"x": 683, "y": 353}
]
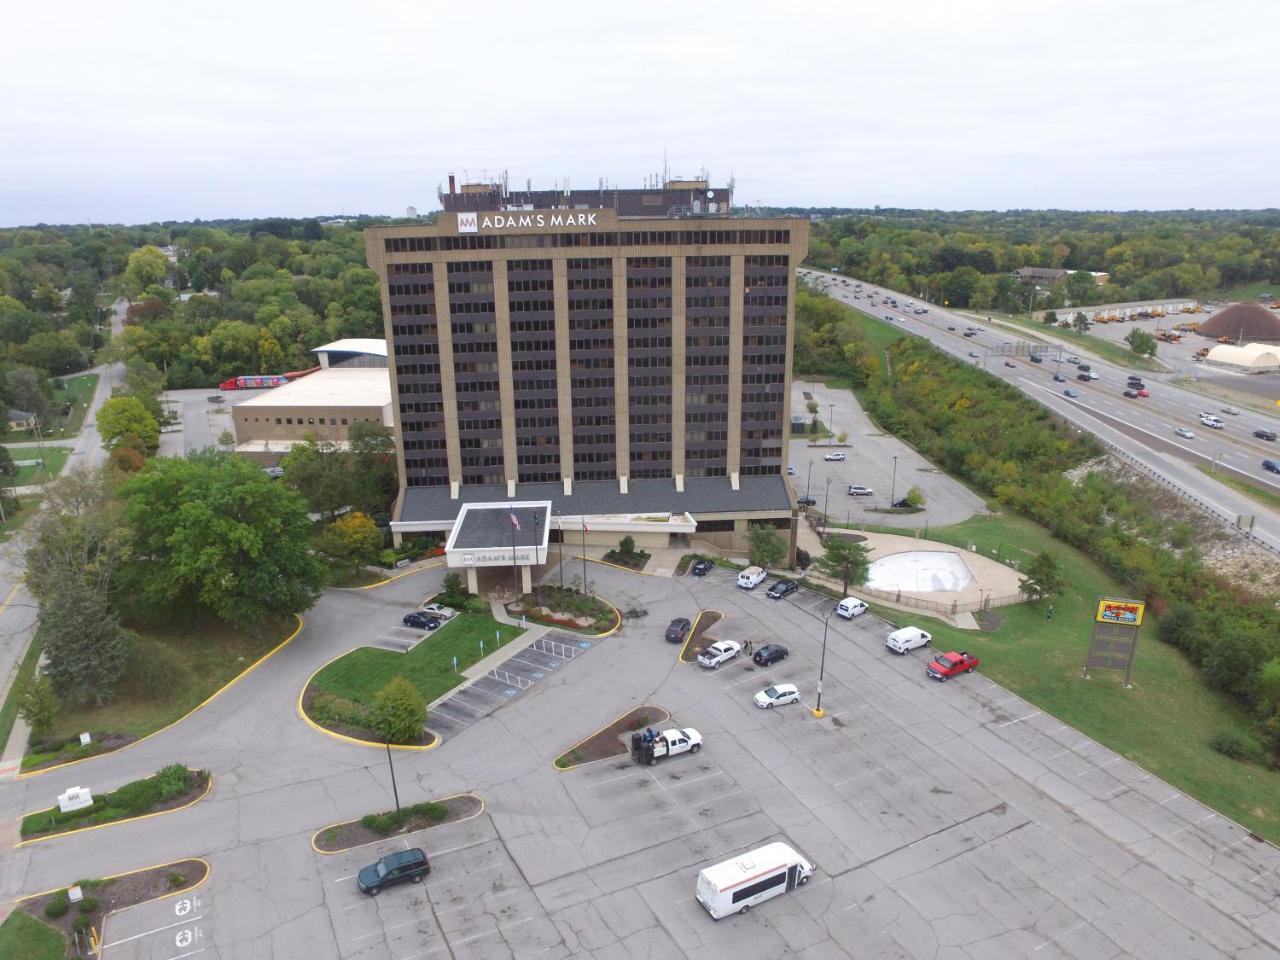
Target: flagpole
[
  {"x": 560, "y": 527},
  {"x": 584, "y": 554},
  {"x": 515, "y": 573}
]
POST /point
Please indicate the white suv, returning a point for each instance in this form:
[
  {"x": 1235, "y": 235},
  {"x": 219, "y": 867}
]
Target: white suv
[
  {"x": 1209, "y": 420},
  {"x": 718, "y": 653},
  {"x": 836, "y": 456}
]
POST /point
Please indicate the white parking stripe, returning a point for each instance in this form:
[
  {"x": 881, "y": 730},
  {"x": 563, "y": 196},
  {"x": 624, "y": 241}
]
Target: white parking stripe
[{"x": 147, "y": 933}]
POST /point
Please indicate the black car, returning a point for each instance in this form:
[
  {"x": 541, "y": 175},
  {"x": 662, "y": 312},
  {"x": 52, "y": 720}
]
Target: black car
[
  {"x": 407, "y": 865},
  {"x": 1265, "y": 434},
  {"x": 769, "y": 653},
  {"x": 781, "y": 588},
  {"x": 807, "y": 501},
  {"x": 701, "y": 568},
  {"x": 421, "y": 621},
  {"x": 901, "y": 502},
  {"x": 1059, "y": 378},
  {"x": 1131, "y": 394},
  {"x": 677, "y": 630},
  {"x": 1083, "y": 376},
  {"x": 1036, "y": 358}
]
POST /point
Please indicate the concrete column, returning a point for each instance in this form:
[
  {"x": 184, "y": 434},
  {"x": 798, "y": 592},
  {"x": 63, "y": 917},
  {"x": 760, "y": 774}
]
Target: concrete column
[
  {"x": 506, "y": 387},
  {"x": 564, "y": 382},
  {"x": 677, "y": 369},
  {"x": 448, "y": 381},
  {"x": 473, "y": 585},
  {"x": 526, "y": 580},
  {"x": 737, "y": 274},
  {"x": 621, "y": 371}
]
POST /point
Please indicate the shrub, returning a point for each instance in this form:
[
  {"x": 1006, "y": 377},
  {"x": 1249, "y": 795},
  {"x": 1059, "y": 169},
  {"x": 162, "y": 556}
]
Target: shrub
[
  {"x": 1235, "y": 746},
  {"x": 58, "y": 905},
  {"x": 380, "y": 823},
  {"x": 176, "y": 880},
  {"x": 82, "y": 923},
  {"x": 135, "y": 799},
  {"x": 627, "y": 546},
  {"x": 172, "y": 780},
  {"x": 802, "y": 558},
  {"x": 88, "y": 904},
  {"x": 399, "y": 712}
]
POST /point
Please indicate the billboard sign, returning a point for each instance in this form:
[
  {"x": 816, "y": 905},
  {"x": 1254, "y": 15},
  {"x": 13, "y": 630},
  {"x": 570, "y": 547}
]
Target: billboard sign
[{"x": 1124, "y": 612}]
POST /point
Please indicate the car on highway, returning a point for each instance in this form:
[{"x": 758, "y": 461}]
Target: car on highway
[
  {"x": 1143, "y": 392},
  {"x": 420, "y": 621},
  {"x": 770, "y": 653},
  {"x": 677, "y": 630},
  {"x": 1271, "y": 466},
  {"x": 970, "y": 333},
  {"x": 1212, "y": 422},
  {"x": 1185, "y": 433},
  {"x": 948, "y": 665},
  {"x": 438, "y": 610},
  {"x": 950, "y": 328},
  {"x": 1010, "y": 363},
  {"x": 1083, "y": 376},
  {"x": 700, "y": 568},
  {"x": 888, "y": 317},
  {"x": 779, "y": 693},
  {"x": 1265, "y": 434},
  {"x": 858, "y": 490},
  {"x": 722, "y": 651},
  {"x": 835, "y": 457},
  {"x": 1131, "y": 394},
  {"x": 1069, "y": 393},
  {"x": 1231, "y": 411},
  {"x": 403, "y": 865},
  {"x": 1036, "y": 358},
  {"x": 973, "y": 353},
  {"x": 1059, "y": 378},
  {"x": 1075, "y": 360},
  {"x": 807, "y": 501},
  {"x": 782, "y": 588}
]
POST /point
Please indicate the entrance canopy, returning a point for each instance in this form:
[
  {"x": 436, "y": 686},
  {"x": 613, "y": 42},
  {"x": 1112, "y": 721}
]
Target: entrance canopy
[{"x": 500, "y": 534}]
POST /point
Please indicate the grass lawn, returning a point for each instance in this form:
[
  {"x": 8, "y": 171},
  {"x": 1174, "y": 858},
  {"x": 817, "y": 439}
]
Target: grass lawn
[
  {"x": 22, "y": 935},
  {"x": 77, "y": 391},
  {"x": 204, "y": 657},
  {"x": 1106, "y": 349},
  {"x": 1164, "y": 723},
  {"x": 1250, "y": 291},
  {"x": 54, "y": 460},
  {"x": 429, "y": 666},
  {"x": 14, "y": 519},
  {"x": 1255, "y": 491}
]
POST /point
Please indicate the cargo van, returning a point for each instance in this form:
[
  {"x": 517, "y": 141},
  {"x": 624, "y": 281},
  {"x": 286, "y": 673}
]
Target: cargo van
[
  {"x": 737, "y": 885},
  {"x": 751, "y": 578},
  {"x": 850, "y": 607},
  {"x": 908, "y": 638}
]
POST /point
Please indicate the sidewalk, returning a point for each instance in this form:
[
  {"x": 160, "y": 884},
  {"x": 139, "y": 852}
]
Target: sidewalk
[{"x": 11, "y": 760}]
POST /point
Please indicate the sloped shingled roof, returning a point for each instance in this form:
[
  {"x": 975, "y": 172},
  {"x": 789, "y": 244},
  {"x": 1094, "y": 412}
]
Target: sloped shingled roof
[{"x": 1248, "y": 321}]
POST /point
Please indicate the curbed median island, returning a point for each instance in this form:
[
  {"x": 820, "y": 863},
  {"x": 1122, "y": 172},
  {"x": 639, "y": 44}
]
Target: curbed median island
[
  {"x": 610, "y": 741},
  {"x": 567, "y": 609},
  {"x": 705, "y": 620},
  {"x": 169, "y": 789},
  {"x": 373, "y": 827}
]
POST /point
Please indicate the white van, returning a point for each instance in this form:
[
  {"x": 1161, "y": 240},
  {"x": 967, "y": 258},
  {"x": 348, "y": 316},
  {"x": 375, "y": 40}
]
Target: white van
[
  {"x": 751, "y": 578},
  {"x": 908, "y": 638},
  {"x": 737, "y": 885},
  {"x": 850, "y": 607}
]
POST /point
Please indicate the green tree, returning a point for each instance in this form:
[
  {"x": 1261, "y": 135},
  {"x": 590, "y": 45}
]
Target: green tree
[
  {"x": 212, "y": 532},
  {"x": 1043, "y": 576},
  {"x": 127, "y": 417},
  {"x": 767, "y": 546},
  {"x": 1050, "y": 318},
  {"x": 353, "y": 539},
  {"x": 1269, "y": 686},
  {"x": 227, "y": 440},
  {"x": 627, "y": 546},
  {"x": 38, "y": 704},
  {"x": 1080, "y": 323},
  {"x": 84, "y": 645},
  {"x": 1269, "y": 733},
  {"x": 321, "y": 473},
  {"x": 7, "y": 467},
  {"x": 147, "y": 267},
  {"x": 373, "y": 466},
  {"x": 54, "y": 352},
  {"x": 399, "y": 712},
  {"x": 81, "y": 535},
  {"x": 844, "y": 559},
  {"x": 915, "y": 497},
  {"x": 144, "y": 381},
  {"x": 27, "y": 389},
  {"x": 1141, "y": 343}
]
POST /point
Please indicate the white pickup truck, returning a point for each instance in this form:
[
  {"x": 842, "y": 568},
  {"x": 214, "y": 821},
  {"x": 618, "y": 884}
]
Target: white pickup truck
[
  {"x": 668, "y": 743},
  {"x": 720, "y": 652}
]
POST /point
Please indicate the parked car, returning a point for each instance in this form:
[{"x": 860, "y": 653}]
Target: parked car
[
  {"x": 1036, "y": 358},
  {"x": 807, "y": 501},
  {"x": 770, "y": 653},
  {"x": 438, "y": 610},
  {"x": 948, "y": 665},
  {"x": 902, "y": 502},
  {"x": 850, "y": 607},
  {"x": 782, "y": 588},
  {"x": 677, "y": 630},
  {"x": 668, "y": 743},
  {"x": 921, "y": 311},
  {"x": 1069, "y": 393},
  {"x": 791, "y": 470},
  {"x": 700, "y": 568},
  {"x": 1185, "y": 433},
  {"x": 908, "y": 638},
  {"x": 1010, "y": 363},
  {"x": 722, "y": 651},
  {"x": 972, "y": 353},
  {"x": 420, "y": 621},
  {"x": 751, "y": 578},
  {"x": 858, "y": 490},
  {"x": 779, "y": 693},
  {"x": 1265, "y": 434},
  {"x": 404, "y": 865},
  {"x": 836, "y": 456}
]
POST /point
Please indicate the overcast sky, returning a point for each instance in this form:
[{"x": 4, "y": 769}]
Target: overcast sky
[{"x": 142, "y": 110}]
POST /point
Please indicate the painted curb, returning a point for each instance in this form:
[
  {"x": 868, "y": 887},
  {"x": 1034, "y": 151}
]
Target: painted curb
[
  {"x": 330, "y": 853},
  {"x": 113, "y": 823},
  {"x": 398, "y": 576},
  {"x": 574, "y": 766},
  {"x": 618, "y": 566},
  {"x": 208, "y": 870},
  {"x": 693, "y": 629},
  {"x": 578, "y": 633},
  {"x": 203, "y": 703}
]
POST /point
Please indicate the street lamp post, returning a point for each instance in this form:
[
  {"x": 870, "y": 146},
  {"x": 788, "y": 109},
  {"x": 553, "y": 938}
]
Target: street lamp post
[
  {"x": 831, "y": 427},
  {"x": 394, "y": 792},
  {"x": 822, "y": 666},
  {"x": 808, "y": 481},
  {"x": 893, "y": 484},
  {"x": 826, "y": 505}
]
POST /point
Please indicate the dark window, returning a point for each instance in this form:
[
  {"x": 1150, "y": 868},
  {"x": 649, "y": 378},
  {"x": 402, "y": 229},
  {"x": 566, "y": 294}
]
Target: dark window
[{"x": 760, "y": 886}]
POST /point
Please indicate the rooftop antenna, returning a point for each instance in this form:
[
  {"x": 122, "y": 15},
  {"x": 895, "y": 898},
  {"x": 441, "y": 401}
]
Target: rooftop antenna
[{"x": 666, "y": 170}]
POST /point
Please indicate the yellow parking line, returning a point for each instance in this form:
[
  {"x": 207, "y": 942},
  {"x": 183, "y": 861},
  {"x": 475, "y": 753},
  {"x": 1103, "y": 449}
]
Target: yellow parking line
[{"x": 693, "y": 629}]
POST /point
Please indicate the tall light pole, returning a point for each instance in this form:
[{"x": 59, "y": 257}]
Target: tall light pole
[
  {"x": 893, "y": 484},
  {"x": 808, "y": 481},
  {"x": 826, "y": 503},
  {"x": 831, "y": 426},
  {"x": 822, "y": 666}
]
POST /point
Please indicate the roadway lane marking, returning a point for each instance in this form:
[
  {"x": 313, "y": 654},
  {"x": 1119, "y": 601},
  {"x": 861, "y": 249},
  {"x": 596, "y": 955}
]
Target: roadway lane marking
[{"x": 189, "y": 953}]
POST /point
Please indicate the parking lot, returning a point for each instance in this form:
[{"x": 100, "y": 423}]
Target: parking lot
[{"x": 160, "y": 930}]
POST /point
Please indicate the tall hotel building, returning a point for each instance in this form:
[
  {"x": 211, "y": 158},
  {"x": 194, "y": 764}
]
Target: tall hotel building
[{"x": 620, "y": 356}]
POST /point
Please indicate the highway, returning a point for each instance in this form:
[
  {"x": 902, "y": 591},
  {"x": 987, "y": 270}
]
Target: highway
[{"x": 1141, "y": 427}]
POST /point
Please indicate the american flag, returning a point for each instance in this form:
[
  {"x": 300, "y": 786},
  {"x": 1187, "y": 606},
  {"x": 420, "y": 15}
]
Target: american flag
[{"x": 515, "y": 521}]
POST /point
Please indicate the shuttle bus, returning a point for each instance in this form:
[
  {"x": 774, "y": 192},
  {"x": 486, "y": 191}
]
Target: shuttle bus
[{"x": 737, "y": 885}]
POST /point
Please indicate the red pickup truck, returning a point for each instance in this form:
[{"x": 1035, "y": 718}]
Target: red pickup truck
[{"x": 948, "y": 665}]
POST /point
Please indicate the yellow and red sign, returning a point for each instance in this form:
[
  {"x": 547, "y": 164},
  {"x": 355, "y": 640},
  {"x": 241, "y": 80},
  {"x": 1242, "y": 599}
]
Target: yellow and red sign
[{"x": 1126, "y": 612}]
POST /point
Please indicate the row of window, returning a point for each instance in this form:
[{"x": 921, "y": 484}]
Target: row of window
[{"x": 632, "y": 238}]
